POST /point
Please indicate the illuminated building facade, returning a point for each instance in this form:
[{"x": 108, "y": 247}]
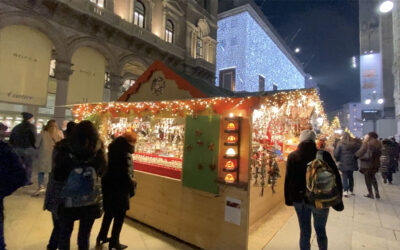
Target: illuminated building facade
[{"x": 250, "y": 56}]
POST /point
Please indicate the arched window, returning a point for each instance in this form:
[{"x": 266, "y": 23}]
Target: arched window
[
  {"x": 169, "y": 31},
  {"x": 139, "y": 14},
  {"x": 199, "y": 44}
]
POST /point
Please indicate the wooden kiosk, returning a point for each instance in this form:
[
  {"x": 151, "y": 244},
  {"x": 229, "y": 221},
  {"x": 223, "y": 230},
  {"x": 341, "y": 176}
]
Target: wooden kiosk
[{"x": 208, "y": 168}]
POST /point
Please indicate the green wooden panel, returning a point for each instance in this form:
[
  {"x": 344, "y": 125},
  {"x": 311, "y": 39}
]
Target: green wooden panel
[{"x": 200, "y": 158}]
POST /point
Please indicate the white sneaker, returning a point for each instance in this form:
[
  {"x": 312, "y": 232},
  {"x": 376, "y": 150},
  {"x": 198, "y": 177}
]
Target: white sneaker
[
  {"x": 41, "y": 190},
  {"x": 351, "y": 193},
  {"x": 345, "y": 194}
]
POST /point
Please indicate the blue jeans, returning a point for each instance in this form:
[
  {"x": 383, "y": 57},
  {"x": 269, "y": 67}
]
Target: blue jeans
[
  {"x": 348, "y": 180},
  {"x": 2, "y": 243},
  {"x": 41, "y": 179},
  {"x": 320, "y": 216}
]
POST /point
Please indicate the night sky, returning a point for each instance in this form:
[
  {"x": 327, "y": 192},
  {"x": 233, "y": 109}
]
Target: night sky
[{"x": 327, "y": 33}]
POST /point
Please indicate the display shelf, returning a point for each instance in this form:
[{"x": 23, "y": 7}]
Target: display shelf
[
  {"x": 231, "y": 157},
  {"x": 229, "y": 170},
  {"x": 231, "y": 131},
  {"x": 231, "y": 144}
]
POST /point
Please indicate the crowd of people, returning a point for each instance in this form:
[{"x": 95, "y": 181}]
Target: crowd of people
[
  {"x": 368, "y": 156},
  {"x": 83, "y": 183}
]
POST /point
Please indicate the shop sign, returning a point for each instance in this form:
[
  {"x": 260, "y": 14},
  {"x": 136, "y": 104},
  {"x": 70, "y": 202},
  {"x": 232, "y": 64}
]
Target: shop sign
[
  {"x": 232, "y": 210},
  {"x": 24, "y": 65}
]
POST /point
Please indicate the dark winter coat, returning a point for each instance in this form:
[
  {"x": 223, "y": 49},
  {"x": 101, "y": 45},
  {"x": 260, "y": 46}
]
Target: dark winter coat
[
  {"x": 372, "y": 164},
  {"x": 345, "y": 155},
  {"x": 23, "y": 135},
  {"x": 117, "y": 183},
  {"x": 388, "y": 157},
  {"x": 64, "y": 164},
  {"x": 296, "y": 167},
  {"x": 12, "y": 172}
]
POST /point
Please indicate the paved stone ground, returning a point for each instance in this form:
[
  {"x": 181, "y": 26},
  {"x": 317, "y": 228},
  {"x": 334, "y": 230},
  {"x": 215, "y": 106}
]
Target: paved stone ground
[
  {"x": 28, "y": 227},
  {"x": 364, "y": 224}
]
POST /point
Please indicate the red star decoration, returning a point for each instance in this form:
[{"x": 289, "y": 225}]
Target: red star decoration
[{"x": 211, "y": 146}]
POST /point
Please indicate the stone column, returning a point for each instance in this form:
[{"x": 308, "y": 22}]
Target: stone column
[
  {"x": 62, "y": 73},
  {"x": 115, "y": 86}
]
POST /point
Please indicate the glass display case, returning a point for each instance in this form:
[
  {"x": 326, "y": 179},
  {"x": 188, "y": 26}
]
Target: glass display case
[{"x": 159, "y": 147}]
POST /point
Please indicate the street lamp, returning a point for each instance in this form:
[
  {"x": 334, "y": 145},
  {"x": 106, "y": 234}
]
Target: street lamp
[
  {"x": 297, "y": 50},
  {"x": 386, "y": 6},
  {"x": 380, "y": 101},
  {"x": 368, "y": 101}
]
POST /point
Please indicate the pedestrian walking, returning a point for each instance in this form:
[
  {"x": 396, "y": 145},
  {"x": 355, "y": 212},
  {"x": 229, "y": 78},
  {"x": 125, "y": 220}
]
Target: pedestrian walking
[
  {"x": 295, "y": 190},
  {"x": 369, "y": 161},
  {"x": 79, "y": 160},
  {"x": 23, "y": 138},
  {"x": 347, "y": 162},
  {"x": 388, "y": 160},
  {"x": 117, "y": 187},
  {"x": 45, "y": 143},
  {"x": 12, "y": 176}
]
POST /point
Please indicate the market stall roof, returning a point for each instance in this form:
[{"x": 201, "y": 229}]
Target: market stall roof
[{"x": 189, "y": 87}]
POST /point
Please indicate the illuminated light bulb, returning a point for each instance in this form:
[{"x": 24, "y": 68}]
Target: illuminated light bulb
[
  {"x": 231, "y": 115},
  {"x": 229, "y": 178},
  {"x": 368, "y": 101},
  {"x": 230, "y": 165},
  {"x": 290, "y": 141},
  {"x": 230, "y": 152},
  {"x": 231, "y": 139},
  {"x": 380, "y": 101},
  {"x": 231, "y": 126},
  {"x": 386, "y": 6}
]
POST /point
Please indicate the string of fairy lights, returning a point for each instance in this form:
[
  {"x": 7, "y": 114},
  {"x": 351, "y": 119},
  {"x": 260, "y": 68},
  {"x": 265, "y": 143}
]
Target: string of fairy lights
[{"x": 275, "y": 103}]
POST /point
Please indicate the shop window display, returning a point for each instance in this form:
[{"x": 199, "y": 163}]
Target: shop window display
[{"x": 159, "y": 148}]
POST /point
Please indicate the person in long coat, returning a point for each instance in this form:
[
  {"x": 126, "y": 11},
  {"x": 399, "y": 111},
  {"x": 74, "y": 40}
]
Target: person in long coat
[
  {"x": 117, "y": 187},
  {"x": 45, "y": 143},
  {"x": 347, "y": 162},
  {"x": 388, "y": 160},
  {"x": 369, "y": 158}
]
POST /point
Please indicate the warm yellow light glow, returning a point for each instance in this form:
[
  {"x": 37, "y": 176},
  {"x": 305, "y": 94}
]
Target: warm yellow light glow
[
  {"x": 231, "y": 126},
  {"x": 229, "y": 178},
  {"x": 230, "y": 115},
  {"x": 229, "y": 165},
  {"x": 231, "y": 139},
  {"x": 230, "y": 152}
]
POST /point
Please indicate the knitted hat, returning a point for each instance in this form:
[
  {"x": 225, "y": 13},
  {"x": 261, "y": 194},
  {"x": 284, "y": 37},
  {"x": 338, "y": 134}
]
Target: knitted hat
[
  {"x": 26, "y": 116},
  {"x": 307, "y": 135}
]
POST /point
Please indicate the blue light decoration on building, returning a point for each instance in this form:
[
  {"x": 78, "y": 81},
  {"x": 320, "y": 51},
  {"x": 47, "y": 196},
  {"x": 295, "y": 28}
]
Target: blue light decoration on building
[{"x": 245, "y": 46}]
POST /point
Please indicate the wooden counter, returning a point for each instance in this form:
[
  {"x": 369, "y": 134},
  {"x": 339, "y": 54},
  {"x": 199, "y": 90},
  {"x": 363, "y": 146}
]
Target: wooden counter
[{"x": 193, "y": 216}]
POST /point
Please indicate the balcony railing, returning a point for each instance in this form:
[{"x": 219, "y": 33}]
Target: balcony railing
[{"x": 116, "y": 21}]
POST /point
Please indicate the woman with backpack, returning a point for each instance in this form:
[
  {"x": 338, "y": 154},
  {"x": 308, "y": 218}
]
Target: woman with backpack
[
  {"x": 117, "y": 187},
  {"x": 47, "y": 139},
  {"x": 78, "y": 161},
  {"x": 369, "y": 158},
  {"x": 296, "y": 191},
  {"x": 345, "y": 155}
]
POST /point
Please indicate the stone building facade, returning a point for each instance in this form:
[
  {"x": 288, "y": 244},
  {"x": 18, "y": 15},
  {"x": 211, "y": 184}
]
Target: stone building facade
[
  {"x": 119, "y": 38},
  {"x": 396, "y": 59}
]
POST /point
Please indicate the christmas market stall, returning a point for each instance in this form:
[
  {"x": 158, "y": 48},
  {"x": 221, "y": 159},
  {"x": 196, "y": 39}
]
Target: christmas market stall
[{"x": 209, "y": 169}]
